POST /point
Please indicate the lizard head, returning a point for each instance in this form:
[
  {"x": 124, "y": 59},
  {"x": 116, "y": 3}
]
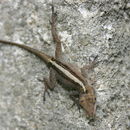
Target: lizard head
[{"x": 88, "y": 101}]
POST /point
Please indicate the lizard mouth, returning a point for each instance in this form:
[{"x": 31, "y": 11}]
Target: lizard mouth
[
  {"x": 88, "y": 105},
  {"x": 91, "y": 116},
  {"x": 91, "y": 112}
]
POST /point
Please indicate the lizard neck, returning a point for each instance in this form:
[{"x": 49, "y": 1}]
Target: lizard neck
[{"x": 68, "y": 73}]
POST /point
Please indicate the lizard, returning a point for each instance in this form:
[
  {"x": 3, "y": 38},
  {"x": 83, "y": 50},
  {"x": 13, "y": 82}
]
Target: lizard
[{"x": 69, "y": 76}]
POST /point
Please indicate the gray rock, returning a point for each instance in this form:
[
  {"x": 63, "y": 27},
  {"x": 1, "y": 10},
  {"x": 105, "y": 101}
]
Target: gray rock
[{"x": 87, "y": 28}]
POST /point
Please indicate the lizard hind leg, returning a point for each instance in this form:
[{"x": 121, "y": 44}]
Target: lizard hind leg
[
  {"x": 56, "y": 39},
  {"x": 49, "y": 83}
]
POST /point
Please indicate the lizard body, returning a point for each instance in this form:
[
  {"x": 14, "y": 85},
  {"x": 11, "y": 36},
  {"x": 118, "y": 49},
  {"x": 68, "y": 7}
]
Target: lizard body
[
  {"x": 64, "y": 73},
  {"x": 61, "y": 68}
]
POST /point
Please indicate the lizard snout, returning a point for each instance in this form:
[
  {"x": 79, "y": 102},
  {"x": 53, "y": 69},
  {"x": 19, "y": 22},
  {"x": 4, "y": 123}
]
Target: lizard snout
[{"x": 88, "y": 102}]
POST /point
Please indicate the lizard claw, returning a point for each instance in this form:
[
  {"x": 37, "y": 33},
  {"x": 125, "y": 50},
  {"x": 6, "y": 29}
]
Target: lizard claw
[
  {"x": 46, "y": 88},
  {"x": 44, "y": 95},
  {"x": 78, "y": 106}
]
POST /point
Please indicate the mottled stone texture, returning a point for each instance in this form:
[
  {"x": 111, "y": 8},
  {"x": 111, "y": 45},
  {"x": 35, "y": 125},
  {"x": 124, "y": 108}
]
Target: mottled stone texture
[{"x": 87, "y": 28}]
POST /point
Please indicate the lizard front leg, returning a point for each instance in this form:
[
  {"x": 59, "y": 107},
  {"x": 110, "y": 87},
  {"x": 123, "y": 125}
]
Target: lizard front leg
[
  {"x": 75, "y": 97},
  {"x": 89, "y": 67}
]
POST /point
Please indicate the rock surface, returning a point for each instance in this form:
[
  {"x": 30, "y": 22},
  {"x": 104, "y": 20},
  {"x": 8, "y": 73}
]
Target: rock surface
[{"x": 87, "y": 28}]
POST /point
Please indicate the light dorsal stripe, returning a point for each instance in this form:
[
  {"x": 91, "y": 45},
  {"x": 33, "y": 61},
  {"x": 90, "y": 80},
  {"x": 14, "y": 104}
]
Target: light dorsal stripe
[{"x": 68, "y": 74}]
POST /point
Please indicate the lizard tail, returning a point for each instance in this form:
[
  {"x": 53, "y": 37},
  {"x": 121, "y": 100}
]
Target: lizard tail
[{"x": 41, "y": 55}]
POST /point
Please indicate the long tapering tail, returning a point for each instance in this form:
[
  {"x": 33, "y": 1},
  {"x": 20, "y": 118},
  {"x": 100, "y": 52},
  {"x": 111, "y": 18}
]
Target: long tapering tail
[{"x": 41, "y": 55}]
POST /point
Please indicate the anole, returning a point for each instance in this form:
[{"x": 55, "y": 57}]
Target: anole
[{"x": 67, "y": 75}]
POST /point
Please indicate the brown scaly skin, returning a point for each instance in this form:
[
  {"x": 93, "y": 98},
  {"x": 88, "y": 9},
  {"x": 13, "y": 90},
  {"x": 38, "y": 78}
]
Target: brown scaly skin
[
  {"x": 88, "y": 101},
  {"x": 87, "y": 97}
]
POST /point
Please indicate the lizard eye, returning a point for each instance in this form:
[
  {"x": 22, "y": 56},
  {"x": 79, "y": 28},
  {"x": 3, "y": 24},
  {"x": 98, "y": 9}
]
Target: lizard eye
[{"x": 81, "y": 100}]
